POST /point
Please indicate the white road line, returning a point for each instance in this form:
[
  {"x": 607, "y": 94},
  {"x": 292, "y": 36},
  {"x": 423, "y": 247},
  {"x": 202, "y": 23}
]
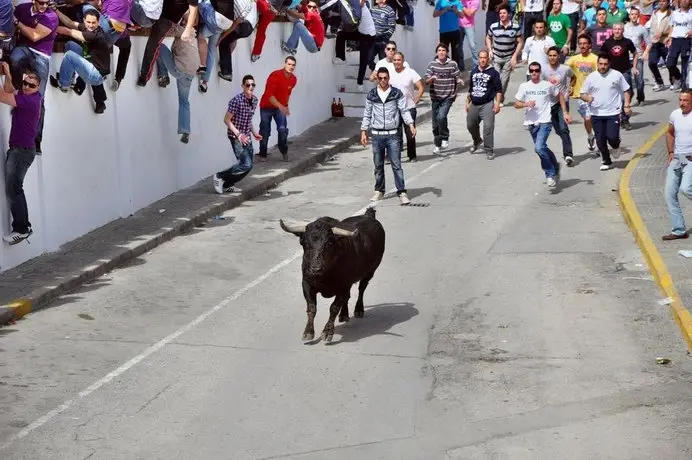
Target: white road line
[{"x": 170, "y": 338}]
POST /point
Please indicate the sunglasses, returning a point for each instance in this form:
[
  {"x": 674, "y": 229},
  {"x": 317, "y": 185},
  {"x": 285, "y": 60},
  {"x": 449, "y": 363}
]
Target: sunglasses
[
  {"x": 30, "y": 85},
  {"x": 250, "y": 85},
  {"x": 534, "y": 70},
  {"x": 390, "y": 49},
  {"x": 383, "y": 78},
  {"x": 312, "y": 7},
  {"x": 43, "y": 3}
]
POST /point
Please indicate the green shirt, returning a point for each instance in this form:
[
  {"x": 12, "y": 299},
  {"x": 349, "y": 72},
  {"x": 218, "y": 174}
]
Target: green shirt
[
  {"x": 558, "y": 27},
  {"x": 619, "y": 16}
]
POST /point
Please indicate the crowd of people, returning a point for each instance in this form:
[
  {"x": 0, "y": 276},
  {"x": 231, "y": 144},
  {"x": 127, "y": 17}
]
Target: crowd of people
[{"x": 560, "y": 37}]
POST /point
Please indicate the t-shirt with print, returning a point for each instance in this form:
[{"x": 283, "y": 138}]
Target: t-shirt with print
[
  {"x": 314, "y": 24},
  {"x": 682, "y": 123},
  {"x": 598, "y": 36},
  {"x": 405, "y": 81},
  {"x": 98, "y": 52},
  {"x": 558, "y": 25},
  {"x": 582, "y": 67},
  {"x": 25, "y": 120},
  {"x": 541, "y": 92},
  {"x": 560, "y": 77},
  {"x": 606, "y": 90},
  {"x": 681, "y": 22},
  {"x": 619, "y": 51},
  {"x": 449, "y": 21},
  {"x": 49, "y": 19}
]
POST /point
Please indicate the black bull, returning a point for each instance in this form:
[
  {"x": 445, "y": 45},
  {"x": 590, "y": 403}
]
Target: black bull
[{"x": 337, "y": 254}]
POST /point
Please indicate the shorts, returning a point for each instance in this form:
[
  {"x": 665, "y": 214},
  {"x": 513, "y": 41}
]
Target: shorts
[{"x": 584, "y": 110}]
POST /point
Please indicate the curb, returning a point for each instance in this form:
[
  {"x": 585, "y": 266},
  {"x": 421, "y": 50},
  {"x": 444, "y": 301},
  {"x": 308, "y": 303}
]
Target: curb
[
  {"x": 40, "y": 298},
  {"x": 653, "y": 258}
]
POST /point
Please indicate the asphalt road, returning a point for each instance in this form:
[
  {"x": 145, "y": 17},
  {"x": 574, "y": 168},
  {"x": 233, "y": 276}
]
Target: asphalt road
[{"x": 506, "y": 321}]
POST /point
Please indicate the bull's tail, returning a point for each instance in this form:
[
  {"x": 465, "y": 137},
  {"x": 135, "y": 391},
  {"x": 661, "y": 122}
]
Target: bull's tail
[{"x": 370, "y": 212}]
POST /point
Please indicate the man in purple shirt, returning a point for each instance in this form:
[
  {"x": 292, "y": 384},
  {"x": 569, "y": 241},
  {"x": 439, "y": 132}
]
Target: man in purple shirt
[
  {"x": 238, "y": 120},
  {"x": 26, "y": 111},
  {"x": 37, "y": 26}
]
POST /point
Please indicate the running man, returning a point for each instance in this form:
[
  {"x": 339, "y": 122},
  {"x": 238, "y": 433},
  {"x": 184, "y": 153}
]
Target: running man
[
  {"x": 483, "y": 103},
  {"x": 559, "y": 75},
  {"x": 582, "y": 65},
  {"x": 444, "y": 77}
]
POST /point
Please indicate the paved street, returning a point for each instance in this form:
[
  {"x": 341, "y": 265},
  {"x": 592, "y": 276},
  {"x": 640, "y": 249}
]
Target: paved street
[{"x": 506, "y": 321}]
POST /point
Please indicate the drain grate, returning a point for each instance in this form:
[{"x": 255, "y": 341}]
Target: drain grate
[{"x": 418, "y": 205}]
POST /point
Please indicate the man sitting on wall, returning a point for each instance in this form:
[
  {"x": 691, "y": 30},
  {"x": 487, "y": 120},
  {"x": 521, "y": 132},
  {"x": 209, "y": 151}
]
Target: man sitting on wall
[
  {"x": 26, "y": 112},
  {"x": 92, "y": 68},
  {"x": 308, "y": 27}
]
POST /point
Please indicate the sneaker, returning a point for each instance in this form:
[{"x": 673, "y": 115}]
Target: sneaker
[
  {"x": 185, "y": 138},
  {"x": 202, "y": 87},
  {"x": 676, "y": 86},
  {"x": 16, "y": 237},
  {"x": 218, "y": 183},
  {"x": 164, "y": 81},
  {"x": 115, "y": 86},
  {"x": 254, "y": 57},
  {"x": 615, "y": 153},
  {"x": 551, "y": 182},
  {"x": 141, "y": 81},
  {"x": 377, "y": 196},
  {"x": 360, "y": 88},
  {"x": 436, "y": 150},
  {"x": 100, "y": 107},
  {"x": 56, "y": 84},
  {"x": 445, "y": 145},
  {"x": 285, "y": 48},
  {"x": 490, "y": 155},
  {"x": 337, "y": 61},
  {"x": 225, "y": 76},
  {"x": 626, "y": 125},
  {"x": 569, "y": 160},
  {"x": 476, "y": 146},
  {"x": 403, "y": 197},
  {"x": 592, "y": 142},
  {"x": 605, "y": 167},
  {"x": 657, "y": 88},
  {"x": 284, "y": 156},
  {"x": 201, "y": 70},
  {"x": 232, "y": 189}
]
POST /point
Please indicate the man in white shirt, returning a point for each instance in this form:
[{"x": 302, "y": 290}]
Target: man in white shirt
[
  {"x": 536, "y": 47},
  {"x": 603, "y": 90},
  {"x": 679, "y": 176},
  {"x": 408, "y": 81},
  {"x": 387, "y": 61},
  {"x": 679, "y": 44},
  {"x": 535, "y": 96}
]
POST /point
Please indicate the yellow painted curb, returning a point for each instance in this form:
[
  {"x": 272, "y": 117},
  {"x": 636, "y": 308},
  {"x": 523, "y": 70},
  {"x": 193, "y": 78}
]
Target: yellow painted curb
[
  {"x": 641, "y": 234},
  {"x": 21, "y": 307}
]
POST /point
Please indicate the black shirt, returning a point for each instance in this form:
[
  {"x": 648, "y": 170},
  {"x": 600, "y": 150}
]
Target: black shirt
[
  {"x": 173, "y": 10},
  {"x": 485, "y": 84},
  {"x": 98, "y": 52},
  {"x": 224, "y": 7},
  {"x": 619, "y": 51}
]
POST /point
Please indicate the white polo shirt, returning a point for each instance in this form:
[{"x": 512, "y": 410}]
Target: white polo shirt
[
  {"x": 541, "y": 92},
  {"x": 606, "y": 90}
]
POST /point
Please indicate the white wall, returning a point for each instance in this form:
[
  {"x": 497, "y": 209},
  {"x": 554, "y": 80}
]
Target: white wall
[{"x": 97, "y": 168}]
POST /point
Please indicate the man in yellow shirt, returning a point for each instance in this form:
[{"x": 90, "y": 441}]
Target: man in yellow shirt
[{"x": 582, "y": 65}]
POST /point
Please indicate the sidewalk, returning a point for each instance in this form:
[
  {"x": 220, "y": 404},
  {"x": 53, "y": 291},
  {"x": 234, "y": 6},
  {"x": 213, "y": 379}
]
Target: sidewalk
[
  {"x": 34, "y": 284},
  {"x": 644, "y": 207}
]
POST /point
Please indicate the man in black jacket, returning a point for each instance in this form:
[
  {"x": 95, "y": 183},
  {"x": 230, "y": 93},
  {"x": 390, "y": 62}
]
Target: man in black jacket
[{"x": 482, "y": 103}]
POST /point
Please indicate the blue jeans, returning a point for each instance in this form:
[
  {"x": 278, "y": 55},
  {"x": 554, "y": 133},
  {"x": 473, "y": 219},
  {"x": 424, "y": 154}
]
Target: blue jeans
[
  {"x": 17, "y": 163},
  {"x": 680, "y": 47},
  {"x": 639, "y": 80},
  {"x": 440, "y": 110},
  {"x": 470, "y": 35},
  {"x": 678, "y": 179},
  {"x": 212, "y": 32},
  {"x": 300, "y": 31},
  {"x": 658, "y": 50},
  {"x": 166, "y": 64},
  {"x": 73, "y": 62},
  {"x": 539, "y": 134},
  {"x": 265, "y": 129},
  {"x": 557, "y": 118},
  {"x": 238, "y": 171},
  {"x": 607, "y": 131},
  {"x": 628, "y": 79},
  {"x": 389, "y": 146}
]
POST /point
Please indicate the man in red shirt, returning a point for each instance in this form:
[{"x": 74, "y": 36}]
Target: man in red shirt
[
  {"x": 312, "y": 32},
  {"x": 274, "y": 104}
]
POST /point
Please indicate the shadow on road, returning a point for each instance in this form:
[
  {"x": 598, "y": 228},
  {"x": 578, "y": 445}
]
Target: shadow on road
[{"x": 378, "y": 320}]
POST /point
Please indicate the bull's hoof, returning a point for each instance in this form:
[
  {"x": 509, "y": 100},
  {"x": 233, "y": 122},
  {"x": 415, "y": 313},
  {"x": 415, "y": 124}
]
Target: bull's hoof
[
  {"x": 344, "y": 319},
  {"x": 308, "y": 336},
  {"x": 327, "y": 336},
  {"x": 358, "y": 313}
]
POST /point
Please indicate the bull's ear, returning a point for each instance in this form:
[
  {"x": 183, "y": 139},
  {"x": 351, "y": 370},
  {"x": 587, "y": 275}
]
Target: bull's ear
[
  {"x": 343, "y": 232},
  {"x": 296, "y": 229}
]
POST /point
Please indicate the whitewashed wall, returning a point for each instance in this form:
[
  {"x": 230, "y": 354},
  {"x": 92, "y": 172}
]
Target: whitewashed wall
[{"x": 97, "y": 168}]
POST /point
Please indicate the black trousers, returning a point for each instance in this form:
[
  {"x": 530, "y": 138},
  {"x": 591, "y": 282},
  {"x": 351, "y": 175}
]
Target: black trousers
[
  {"x": 410, "y": 140},
  {"x": 366, "y": 43}
]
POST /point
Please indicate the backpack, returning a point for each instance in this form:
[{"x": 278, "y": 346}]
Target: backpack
[{"x": 350, "y": 15}]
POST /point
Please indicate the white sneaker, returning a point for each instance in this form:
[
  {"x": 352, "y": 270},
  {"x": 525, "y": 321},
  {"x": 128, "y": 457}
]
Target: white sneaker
[
  {"x": 337, "y": 61},
  {"x": 232, "y": 189},
  {"x": 360, "y": 88},
  {"x": 404, "y": 199},
  {"x": 218, "y": 184},
  {"x": 16, "y": 237},
  {"x": 436, "y": 150},
  {"x": 606, "y": 167},
  {"x": 592, "y": 142},
  {"x": 445, "y": 145},
  {"x": 377, "y": 196},
  {"x": 569, "y": 161},
  {"x": 551, "y": 182},
  {"x": 615, "y": 153}
]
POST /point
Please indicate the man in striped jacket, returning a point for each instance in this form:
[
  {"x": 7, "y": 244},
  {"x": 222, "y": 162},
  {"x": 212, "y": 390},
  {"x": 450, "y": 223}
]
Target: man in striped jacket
[{"x": 384, "y": 105}]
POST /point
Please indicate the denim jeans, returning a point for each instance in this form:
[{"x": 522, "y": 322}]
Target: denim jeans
[
  {"x": 440, "y": 126},
  {"x": 166, "y": 64},
  {"x": 557, "y": 118},
  {"x": 680, "y": 47},
  {"x": 607, "y": 131},
  {"x": 539, "y": 134},
  {"x": 265, "y": 128},
  {"x": 21, "y": 59},
  {"x": 678, "y": 179},
  {"x": 212, "y": 43},
  {"x": 628, "y": 79},
  {"x": 639, "y": 80},
  {"x": 242, "y": 168},
  {"x": 658, "y": 51},
  {"x": 300, "y": 31},
  {"x": 73, "y": 62},
  {"x": 470, "y": 35},
  {"x": 17, "y": 163},
  {"x": 387, "y": 146}
]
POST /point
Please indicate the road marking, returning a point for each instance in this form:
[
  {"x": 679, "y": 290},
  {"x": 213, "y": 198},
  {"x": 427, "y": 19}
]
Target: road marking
[
  {"x": 653, "y": 258},
  {"x": 170, "y": 338}
]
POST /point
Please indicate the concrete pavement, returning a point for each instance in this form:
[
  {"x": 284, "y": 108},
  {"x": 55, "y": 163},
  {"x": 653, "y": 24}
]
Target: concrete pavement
[{"x": 506, "y": 321}]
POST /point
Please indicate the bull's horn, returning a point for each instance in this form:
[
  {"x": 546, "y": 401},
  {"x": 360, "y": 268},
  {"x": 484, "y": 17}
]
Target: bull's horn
[
  {"x": 342, "y": 232},
  {"x": 296, "y": 229}
]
